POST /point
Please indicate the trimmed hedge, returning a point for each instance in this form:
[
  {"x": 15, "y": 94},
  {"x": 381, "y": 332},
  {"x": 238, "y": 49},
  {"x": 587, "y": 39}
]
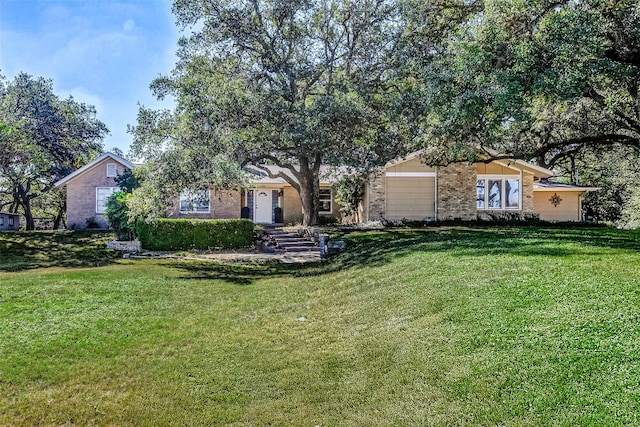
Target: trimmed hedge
[{"x": 182, "y": 234}]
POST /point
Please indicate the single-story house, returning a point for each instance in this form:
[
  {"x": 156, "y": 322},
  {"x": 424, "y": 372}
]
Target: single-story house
[
  {"x": 403, "y": 189},
  {"x": 9, "y": 221}
]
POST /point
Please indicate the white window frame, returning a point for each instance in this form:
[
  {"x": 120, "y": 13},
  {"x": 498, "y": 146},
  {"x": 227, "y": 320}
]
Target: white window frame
[
  {"x": 190, "y": 195},
  {"x": 503, "y": 182},
  {"x": 330, "y": 200},
  {"x": 112, "y": 170},
  {"x": 100, "y": 208}
]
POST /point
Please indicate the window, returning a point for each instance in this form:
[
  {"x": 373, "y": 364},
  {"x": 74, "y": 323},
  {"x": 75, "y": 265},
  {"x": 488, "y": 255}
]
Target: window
[
  {"x": 325, "y": 201},
  {"x": 512, "y": 194},
  {"x": 1, "y": 219},
  {"x": 480, "y": 194},
  {"x": 102, "y": 194},
  {"x": 497, "y": 193},
  {"x": 195, "y": 201},
  {"x": 10, "y": 220},
  {"x": 111, "y": 170}
]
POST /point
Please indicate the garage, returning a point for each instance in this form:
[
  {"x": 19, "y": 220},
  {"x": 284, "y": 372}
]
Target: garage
[{"x": 410, "y": 195}]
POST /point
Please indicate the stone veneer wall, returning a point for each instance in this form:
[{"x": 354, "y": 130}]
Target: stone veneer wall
[
  {"x": 457, "y": 191},
  {"x": 376, "y": 201},
  {"x": 527, "y": 193},
  {"x": 124, "y": 245}
]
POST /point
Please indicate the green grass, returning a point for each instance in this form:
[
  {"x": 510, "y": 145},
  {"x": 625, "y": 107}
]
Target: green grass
[
  {"x": 28, "y": 250},
  {"x": 515, "y": 326}
]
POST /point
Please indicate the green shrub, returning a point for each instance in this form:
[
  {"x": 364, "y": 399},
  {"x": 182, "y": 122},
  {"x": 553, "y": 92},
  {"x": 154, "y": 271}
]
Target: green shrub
[
  {"x": 117, "y": 213},
  {"x": 349, "y": 192},
  {"x": 183, "y": 234}
]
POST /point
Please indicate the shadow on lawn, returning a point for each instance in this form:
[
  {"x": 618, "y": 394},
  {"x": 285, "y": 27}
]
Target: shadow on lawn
[
  {"x": 376, "y": 248},
  {"x": 365, "y": 250},
  {"x": 28, "y": 250},
  {"x": 237, "y": 274}
]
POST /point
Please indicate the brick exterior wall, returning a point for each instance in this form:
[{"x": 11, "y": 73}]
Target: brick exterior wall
[
  {"x": 291, "y": 207},
  {"x": 456, "y": 197},
  {"x": 223, "y": 204},
  {"x": 457, "y": 191},
  {"x": 81, "y": 194}
]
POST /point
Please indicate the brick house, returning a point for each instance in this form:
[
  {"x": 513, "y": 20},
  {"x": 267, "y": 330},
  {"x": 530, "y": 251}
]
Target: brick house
[
  {"x": 89, "y": 187},
  {"x": 409, "y": 189},
  {"x": 403, "y": 189}
]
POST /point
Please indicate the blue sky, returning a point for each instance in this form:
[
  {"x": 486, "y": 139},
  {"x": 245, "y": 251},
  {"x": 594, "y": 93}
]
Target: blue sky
[{"x": 103, "y": 52}]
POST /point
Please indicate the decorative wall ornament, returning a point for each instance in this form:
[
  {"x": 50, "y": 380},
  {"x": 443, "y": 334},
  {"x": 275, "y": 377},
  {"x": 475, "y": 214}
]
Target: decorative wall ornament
[{"x": 555, "y": 200}]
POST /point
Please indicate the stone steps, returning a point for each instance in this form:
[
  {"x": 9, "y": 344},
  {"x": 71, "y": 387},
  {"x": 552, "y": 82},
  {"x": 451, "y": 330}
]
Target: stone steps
[{"x": 292, "y": 242}]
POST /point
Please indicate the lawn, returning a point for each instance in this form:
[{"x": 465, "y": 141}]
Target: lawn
[{"x": 457, "y": 326}]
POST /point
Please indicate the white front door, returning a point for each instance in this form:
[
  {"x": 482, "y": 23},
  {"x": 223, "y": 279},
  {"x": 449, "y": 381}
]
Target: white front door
[{"x": 263, "y": 207}]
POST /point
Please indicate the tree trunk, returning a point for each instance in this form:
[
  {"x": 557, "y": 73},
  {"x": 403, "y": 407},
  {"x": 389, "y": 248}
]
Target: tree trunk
[
  {"x": 309, "y": 191},
  {"x": 57, "y": 220},
  {"x": 306, "y": 181},
  {"x": 25, "y": 202},
  {"x": 309, "y": 205},
  {"x": 28, "y": 216},
  {"x": 61, "y": 208}
]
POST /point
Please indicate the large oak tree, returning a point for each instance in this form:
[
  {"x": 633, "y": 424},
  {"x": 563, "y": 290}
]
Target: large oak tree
[
  {"x": 42, "y": 139},
  {"x": 291, "y": 83}
]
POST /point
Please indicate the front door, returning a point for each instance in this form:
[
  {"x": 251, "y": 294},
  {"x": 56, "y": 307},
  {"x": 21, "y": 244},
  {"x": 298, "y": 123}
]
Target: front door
[{"x": 263, "y": 207}]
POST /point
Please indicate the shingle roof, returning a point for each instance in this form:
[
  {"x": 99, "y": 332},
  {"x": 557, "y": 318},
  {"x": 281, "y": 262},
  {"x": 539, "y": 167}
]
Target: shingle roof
[{"x": 546, "y": 185}]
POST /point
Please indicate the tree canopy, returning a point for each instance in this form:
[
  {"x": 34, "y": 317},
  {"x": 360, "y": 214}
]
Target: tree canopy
[
  {"x": 295, "y": 83},
  {"x": 536, "y": 79},
  {"x": 42, "y": 139}
]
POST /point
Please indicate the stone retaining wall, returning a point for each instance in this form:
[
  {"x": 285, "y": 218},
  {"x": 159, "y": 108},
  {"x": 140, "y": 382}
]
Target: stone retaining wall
[{"x": 124, "y": 245}]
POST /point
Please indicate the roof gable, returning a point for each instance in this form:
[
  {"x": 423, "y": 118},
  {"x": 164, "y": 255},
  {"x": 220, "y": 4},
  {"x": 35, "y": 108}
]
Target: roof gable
[
  {"x": 515, "y": 164},
  {"x": 91, "y": 164}
]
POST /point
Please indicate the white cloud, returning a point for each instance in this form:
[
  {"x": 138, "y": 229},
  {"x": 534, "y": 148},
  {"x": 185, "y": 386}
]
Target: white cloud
[
  {"x": 83, "y": 95},
  {"x": 129, "y": 25}
]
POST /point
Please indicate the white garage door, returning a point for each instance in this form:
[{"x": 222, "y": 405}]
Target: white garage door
[{"x": 410, "y": 197}]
